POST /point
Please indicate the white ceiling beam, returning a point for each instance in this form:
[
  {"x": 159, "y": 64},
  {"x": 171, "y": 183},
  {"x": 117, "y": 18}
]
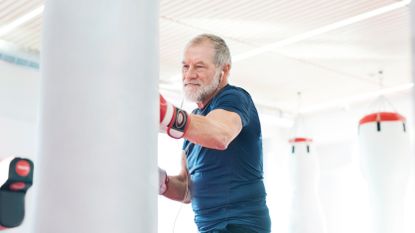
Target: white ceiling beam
[{"x": 20, "y": 21}]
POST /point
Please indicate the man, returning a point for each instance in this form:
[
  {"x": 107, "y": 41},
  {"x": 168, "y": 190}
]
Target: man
[{"x": 222, "y": 153}]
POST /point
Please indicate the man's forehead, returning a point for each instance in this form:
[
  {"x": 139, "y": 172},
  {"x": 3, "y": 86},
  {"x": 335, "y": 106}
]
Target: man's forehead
[
  {"x": 201, "y": 51},
  {"x": 203, "y": 43}
]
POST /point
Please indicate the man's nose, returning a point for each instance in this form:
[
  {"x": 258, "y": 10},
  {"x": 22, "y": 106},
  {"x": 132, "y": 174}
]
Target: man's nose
[{"x": 190, "y": 73}]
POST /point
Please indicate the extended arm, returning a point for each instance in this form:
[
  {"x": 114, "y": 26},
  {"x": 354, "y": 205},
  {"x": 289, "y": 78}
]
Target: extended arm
[{"x": 215, "y": 130}]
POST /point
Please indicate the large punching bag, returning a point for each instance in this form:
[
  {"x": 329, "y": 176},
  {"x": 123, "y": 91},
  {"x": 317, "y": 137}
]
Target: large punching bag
[
  {"x": 16, "y": 177},
  {"x": 384, "y": 147},
  {"x": 97, "y": 148},
  {"x": 306, "y": 214}
]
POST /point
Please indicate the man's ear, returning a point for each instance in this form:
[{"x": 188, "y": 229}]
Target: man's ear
[{"x": 226, "y": 69}]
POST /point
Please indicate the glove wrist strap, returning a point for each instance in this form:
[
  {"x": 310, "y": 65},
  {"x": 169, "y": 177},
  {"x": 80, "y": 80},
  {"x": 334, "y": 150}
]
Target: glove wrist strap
[{"x": 179, "y": 124}]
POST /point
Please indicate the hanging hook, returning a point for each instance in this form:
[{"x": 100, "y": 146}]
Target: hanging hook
[
  {"x": 298, "y": 102},
  {"x": 298, "y": 118},
  {"x": 382, "y": 103},
  {"x": 380, "y": 77}
]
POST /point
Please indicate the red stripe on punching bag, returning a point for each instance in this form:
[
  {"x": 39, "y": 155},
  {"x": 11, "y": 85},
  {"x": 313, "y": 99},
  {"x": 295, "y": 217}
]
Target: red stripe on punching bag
[
  {"x": 382, "y": 116},
  {"x": 300, "y": 140}
]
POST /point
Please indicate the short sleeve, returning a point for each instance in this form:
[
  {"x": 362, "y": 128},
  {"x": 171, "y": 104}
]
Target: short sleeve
[{"x": 237, "y": 101}]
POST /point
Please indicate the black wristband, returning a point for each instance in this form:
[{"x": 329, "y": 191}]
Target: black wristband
[{"x": 180, "y": 120}]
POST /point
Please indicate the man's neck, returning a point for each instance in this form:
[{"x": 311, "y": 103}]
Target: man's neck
[{"x": 203, "y": 103}]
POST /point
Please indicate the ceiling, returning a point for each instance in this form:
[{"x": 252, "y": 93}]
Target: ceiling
[{"x": 329, "y": 50}]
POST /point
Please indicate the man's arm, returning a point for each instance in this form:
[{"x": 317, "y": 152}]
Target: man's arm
[
  {"x": 177, "y": 186},
  {"x": 215, "y": 130}
]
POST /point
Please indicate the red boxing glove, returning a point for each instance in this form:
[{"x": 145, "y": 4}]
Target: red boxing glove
[{"x": 174, "y": 120}]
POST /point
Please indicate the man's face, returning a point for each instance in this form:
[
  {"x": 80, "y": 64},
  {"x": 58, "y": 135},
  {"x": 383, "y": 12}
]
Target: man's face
[{"x": 200, "y": 75}]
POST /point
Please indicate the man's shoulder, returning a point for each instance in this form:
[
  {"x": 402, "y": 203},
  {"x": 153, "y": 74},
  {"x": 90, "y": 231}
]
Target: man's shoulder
[
  {"x": 233, "y": 91},
  {"x": 232, "y": 97}
]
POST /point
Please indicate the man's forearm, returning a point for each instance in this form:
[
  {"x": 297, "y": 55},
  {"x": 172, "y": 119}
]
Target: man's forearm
[
  {"x": 177, "y": 189},
  {"x": 216, "y": 130}
]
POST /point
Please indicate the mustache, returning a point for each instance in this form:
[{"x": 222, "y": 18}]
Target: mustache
[{"x": 192, "y": 83}]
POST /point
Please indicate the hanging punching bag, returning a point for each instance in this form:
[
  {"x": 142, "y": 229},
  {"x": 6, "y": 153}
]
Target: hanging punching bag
[
  {"x": 306, "y": 214},
  {"x": 98, "y": 118},
  {"x": 384, "y": 147},
  {"x": 16, "y": 177}
]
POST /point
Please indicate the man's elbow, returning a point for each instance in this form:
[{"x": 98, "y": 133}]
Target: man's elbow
[{"x": 222, "y": 143}]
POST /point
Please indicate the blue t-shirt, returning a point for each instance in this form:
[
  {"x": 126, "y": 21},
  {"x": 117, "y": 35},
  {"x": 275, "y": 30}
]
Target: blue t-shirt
[{"x": 227, "y": 186}]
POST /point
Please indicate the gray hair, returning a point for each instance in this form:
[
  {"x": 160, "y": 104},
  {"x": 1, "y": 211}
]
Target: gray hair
[{"x": 222, "y": 55}]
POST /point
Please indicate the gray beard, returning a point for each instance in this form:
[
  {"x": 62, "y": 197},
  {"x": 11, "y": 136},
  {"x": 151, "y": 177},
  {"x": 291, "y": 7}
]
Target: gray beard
[{"x": 202, "y": 93}]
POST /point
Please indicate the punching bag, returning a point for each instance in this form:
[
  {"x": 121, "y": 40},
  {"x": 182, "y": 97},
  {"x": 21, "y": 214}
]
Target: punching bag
[
  {"x": 384, "y": 147},
  {"x": 306, "y": 215},
  {"x": 16, "y": 177},
  {"x": 99, "y": 117}
]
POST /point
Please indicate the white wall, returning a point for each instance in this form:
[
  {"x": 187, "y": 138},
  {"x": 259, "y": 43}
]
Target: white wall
[{"x": 19, "y": 95}]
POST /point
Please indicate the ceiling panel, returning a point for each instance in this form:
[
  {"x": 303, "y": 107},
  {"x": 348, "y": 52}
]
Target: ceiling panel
[
  {"x": 27, "y": 36},
  {"x": 10, "y": 10},
  {"x": 266, "y": 21},
  {"x": 329, "y": 66}
]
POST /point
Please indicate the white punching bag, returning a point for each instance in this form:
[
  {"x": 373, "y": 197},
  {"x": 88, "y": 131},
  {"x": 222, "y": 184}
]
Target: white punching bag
[
  {"x": 306, "y": 214},
  {"x": 97, "y": 149},
  {"x": 384, "y": 147}
]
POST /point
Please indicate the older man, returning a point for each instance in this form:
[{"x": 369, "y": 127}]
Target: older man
[{"x": 222, "y": 172}]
